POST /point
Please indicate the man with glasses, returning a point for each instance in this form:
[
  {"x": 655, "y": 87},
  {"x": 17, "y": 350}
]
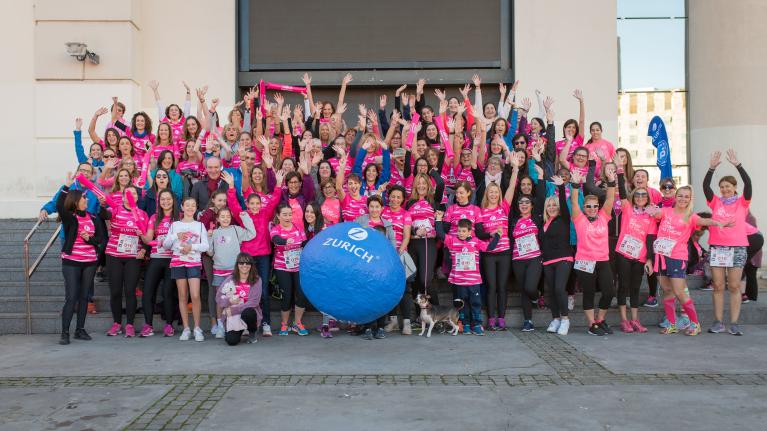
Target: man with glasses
[{"x": 93, "y": 202}]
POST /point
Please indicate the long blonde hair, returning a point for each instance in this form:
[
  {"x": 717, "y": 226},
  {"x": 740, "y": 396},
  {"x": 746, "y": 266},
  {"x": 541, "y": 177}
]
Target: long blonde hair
[
  {"x": 552, "y": 198},
  {"x": 688, "y": 210},
  {"x": 429, "y": 188},
  {"x": 485, "y": 200}
]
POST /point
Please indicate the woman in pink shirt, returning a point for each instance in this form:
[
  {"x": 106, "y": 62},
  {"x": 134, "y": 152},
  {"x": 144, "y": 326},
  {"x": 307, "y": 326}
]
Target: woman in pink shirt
[
  {"x": 601, "y": 149},
  {"x": 289, "y": 240},
  {"x": 728, "y": 246},
  {"x": 592, "y": 258},
  {"x": 670, "y": 248}
]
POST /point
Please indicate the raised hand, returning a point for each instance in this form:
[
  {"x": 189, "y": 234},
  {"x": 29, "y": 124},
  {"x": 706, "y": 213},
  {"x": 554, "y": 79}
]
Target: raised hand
[
  {"x": 400, "y": 89},
  {"x": 442, "y": 106},
  {"x": 465, "y": 91},
  {"x": 578, "y": 94},
  {"x": 716, "y": 159},
  {"x": 547, "y": 102},
  {"x": 362, "y": 109},
  {"x": 101, "y": 111},
  {"x": 279, "y": 99},
  {"x": 382, "y": 101},
  {"x": 395, "y": 116},
  {"x": 285, "y": 113},
  {"x": 557, "y": 180},
  {"x": 307, "y": 79},
  {"x": 526, "y": 104},
  {"x": 514, "y": 86},
  {"x": 186, "y": 86},
  {"x": 347, "y": 79},
  {"x": 279, "y": 177},
  {"x": 502, "y": 89},
  {"x": 439, "y": 93},
  {"x": 228, "y": 178},
  {"x": 576, "y": 177},
  {"x": 476, "y": 80},
  {"x": 153, "y": 84},
  {"x": 732, "y": 157},
  {"x": 70, "y": 178},
  {"x": 78, "y": 123},
  {"x": 419, "y": 86},
  {"x": 610, "y": 172}
]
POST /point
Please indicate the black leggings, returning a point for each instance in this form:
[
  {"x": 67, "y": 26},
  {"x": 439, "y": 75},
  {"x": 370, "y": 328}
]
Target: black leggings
[
  {"x": 157, "y": 278},
  {"x": 123, "y": 278},
  {"x": 652, "y": 284},
  {"x": 588, "y": 282},
  {"x": 250, "y": 317},
  {"x": 78, "y": 280},
  {"x": 755, "y": 243},
  {"x": 496, "y": 268},
  {"x": 629, "y": 279},
  {"x": 406, "y": 307},
  {"x": 556, "y": 275},
  {"x": 527, "y": 272},
  {"x": 291, "y": 286},
  {"x": 424, "y": 254}
]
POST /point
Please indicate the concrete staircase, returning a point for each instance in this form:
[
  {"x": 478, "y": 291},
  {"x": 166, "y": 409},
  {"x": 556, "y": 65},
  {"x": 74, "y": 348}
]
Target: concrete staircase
[{"x": 47, "y": 293}]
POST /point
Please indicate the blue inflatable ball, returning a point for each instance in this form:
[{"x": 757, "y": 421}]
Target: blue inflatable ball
[{"x": 352, "y": 273}]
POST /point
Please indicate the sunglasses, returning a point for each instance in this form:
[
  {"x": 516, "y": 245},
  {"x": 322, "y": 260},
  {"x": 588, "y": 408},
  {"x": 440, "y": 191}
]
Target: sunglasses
[
  {"x": 109, "y": 157},
  {"x": 640, "y": 195},
  {"x": 668, "y": 187},
  {"x": 244, "y": 263},
  {"x": 524, "y": 202},
  {"x": 591, "y": 206},
  {"x": 519, "y": 143}
]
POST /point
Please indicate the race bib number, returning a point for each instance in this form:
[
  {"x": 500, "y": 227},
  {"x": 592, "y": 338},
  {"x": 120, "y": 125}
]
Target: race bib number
[
  {"x": 466, "y": 261},
  {"x": 160, "y": 240},
  {"x": 722, "y": 257},
  {"x": 527, "y": 244},
  {"x": 663, "y": 246},
  {"x": 292, "y": 258},
  {"x": 127, "y": 244},
  {"x": 630, "y": 246},
  {"x": 585, "y": 265}
]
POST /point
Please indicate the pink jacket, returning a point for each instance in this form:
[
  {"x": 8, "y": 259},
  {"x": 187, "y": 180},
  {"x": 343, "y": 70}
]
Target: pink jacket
[{"x": 261, "y": 244}]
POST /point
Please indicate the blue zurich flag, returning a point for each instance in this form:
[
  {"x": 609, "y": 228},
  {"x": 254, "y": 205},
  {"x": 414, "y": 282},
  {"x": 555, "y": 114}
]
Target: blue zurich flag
[{"x": 657, "y": 131}]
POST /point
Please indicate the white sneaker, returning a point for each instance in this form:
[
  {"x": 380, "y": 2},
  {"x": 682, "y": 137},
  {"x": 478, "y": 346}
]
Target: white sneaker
[
  {"x": 220, "y": 332},
  {"x": 266, "y": 330},
  {"x": 564, "y": 326},
  {"x": 393, "y": 325},
  {"x": 214, "y": 329},
  {"x": 185, "y": 335},
  {"x": 198, "y": 335},
  {"x": 554, "y": 326},
  {"x": 571, "y": 302}
]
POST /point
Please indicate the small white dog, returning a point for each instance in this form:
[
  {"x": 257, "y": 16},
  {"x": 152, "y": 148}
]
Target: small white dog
[{"x": 432, "y": 314}]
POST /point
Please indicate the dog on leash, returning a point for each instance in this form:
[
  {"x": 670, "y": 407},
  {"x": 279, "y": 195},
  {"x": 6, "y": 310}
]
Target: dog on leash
[{"x": 432, "y": 314}]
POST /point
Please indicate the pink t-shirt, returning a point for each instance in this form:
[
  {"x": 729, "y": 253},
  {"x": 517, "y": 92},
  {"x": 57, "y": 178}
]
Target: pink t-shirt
[
  {"x": 577, "y": 142},
  {"x": 422, "y": 216},
  {"x": 142, "y": 145},
  {"x": 81, "y": 250},
  {"x": 592, "y": 237},
  {"x": 526, "y": 237},
  {"x": 396, "y": 177},
  {"x": 331, "y": 211},
  {"x": 353, "y": 208},
  {"x": 196, "y": 167},
  {"x": 494, "y": 218},
  {"x": 399, "y": 219},
  {"x": 457, "y": 212},
  {"x": 734, "y": 236},
  {"x": 159, "y": 236},
  {"x": 607, "y": 148},
  {"x": 673, "y": 228},
  {"x": 634, "y": 231},
  {"x": 288, "y": 257},
  {"x": 465, "y": 258},
  {"x": 123, "y": 232}
]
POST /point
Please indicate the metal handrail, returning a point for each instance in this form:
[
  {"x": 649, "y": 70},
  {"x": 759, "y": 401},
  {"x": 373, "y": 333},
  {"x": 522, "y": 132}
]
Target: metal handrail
[{"x": 29, "y": 270}]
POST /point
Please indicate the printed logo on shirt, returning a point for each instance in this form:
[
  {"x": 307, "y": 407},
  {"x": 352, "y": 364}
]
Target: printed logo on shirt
[{"x": 357, "y": 234}]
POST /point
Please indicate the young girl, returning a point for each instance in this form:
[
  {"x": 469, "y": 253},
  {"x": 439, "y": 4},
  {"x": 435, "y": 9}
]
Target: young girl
[
  {"x": 288, "y": 240},
  {"x": 670, "y": 247},
  {"x": 224, "y": 243},
  {"x": 188, "y": 239},
  {"x": 209, "y": 219},
  {"x": 122, "y": 264},
  {"x": 352, "y": 203},
  {"x": 157, "y": 274},
  {"x": 241, "y": 299}
]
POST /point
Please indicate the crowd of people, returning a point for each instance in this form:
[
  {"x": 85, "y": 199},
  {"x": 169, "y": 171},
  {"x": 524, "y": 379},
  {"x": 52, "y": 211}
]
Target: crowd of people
[{"x": 218, "y": 207}]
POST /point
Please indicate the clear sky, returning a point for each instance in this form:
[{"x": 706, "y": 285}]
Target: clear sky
[{"x": 652, "y": 50}]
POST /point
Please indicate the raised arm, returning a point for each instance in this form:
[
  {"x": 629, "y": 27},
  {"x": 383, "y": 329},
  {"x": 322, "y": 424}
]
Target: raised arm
[
  {"x": 732, "y": 157},
  {"x": 578, "y": 94},
  {"x": 340, "y": 177},
  {"x": 716, "y": 159},
  {"x": 92, "y": 126},
  {"x": 79, "y": 150},
  {"x": 344, "y": 82},
  {"x": 575, "y": 187},
  {"x": 154, "y": 85}
]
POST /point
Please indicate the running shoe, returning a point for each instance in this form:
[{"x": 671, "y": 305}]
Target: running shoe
[
  {"x": 130, "y": 331},
  {"x": 92, "y": 308},
  {"x": 252, "y": 338},
  {"x": 564, "y": 327},
  {"x": 368, "y": 335},
  {"x": 478, "y": 330},
  {"x": 466, "y": 330},
  {"x": 380, "y": 334},
  {"x": 392, "y": 326},
  {"x": 744, "y": 299},
  {"x": 80, "y": 334},
  {"x": 716, "y": 328},
  {"x": 325, "y": 332},
  {"x": 554, "y": 326},
  {"x": 638, "y": 326},
  {"x": 491, "y": 326},
  {"x": 597, "y": 330},
  {"x": 146, "y": 331},
  {"x": 670, "y": 329},
  {"x": 185, "y": 334},
  {"x": 168, "y": 330},
  {"x": 734, "y": 330},
  {"x": 527, "y": 326},
  {"x": 683, "y": 323},
  {"x": 693, "y": 329},
  {"x": 115, "y": 330},
  {"x": 501, "y": 324},
  {"x": 603, "y": 325},
  {"x": 626, "y": 326},
  {"x": 220, "y": 332},
  {"x": 266, "y": 330},
  {"x": 651, "y": 302},
  {"x": 284, "y": 329},
  {"x": 707, "y": 287},
  {"x": 664, "y": 323},
  {"x": 198, "y": 335},
  {"x": 299, "y": 329}
]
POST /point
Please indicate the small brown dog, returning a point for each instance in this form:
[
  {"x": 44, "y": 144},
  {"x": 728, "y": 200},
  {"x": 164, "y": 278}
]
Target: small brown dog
[{"x": 432, "y": 314}]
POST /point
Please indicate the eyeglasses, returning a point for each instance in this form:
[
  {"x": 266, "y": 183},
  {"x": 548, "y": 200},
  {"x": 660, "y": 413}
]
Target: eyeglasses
[
  {"x": 668, "y": 187},
  {"x": 591, "y": 206},
  {"x": 244, "y": 263},
  {"x": 524, "y": 202}
]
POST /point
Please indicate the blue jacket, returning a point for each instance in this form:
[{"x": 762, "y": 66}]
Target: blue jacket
[{"x": 93, "y": 203}]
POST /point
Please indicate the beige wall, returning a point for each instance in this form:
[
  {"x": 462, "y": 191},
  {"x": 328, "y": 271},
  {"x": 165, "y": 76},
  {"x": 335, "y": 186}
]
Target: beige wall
[
  {"x": 561, "y": 45},
  {"x": 727, "y": 67},
  {"x": 48, "y": 88}
]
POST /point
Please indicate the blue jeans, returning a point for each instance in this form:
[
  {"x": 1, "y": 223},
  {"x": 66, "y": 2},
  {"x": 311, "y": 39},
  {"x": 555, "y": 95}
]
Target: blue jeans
[
  {"x": 262, "y": 264},
  {"x": 472, "y": 300}
]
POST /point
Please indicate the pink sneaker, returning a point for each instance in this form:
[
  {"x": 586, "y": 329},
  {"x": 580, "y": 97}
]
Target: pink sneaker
[
  {"x": 146, "y": 331},
  {"x": 638, "y": 326},
  {"x": 501, "y": 324},
  {"x": 626, "y": 326},
  {"x": 168, "y": 330},
  {"x": 115, "y": 330},
  {"x": 130, "y": 331}
]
